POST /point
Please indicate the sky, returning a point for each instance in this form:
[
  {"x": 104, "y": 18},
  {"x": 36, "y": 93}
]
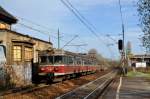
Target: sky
[{"x": 50, "y": 15}]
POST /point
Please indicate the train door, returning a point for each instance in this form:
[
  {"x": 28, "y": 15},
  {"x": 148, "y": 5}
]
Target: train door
[{"x": 2, "y": 64}]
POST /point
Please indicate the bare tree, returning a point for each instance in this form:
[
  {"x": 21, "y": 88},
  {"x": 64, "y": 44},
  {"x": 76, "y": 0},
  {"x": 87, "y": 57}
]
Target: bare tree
[
  {"x": 103, "y": 62},
  {"x": 93, "y": 52},
  {"x": 144, "y": 13}
]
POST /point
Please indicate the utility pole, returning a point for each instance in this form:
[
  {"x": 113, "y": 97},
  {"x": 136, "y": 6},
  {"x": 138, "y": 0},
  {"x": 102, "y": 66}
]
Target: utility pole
[
  {"x": 58, "y": 39},
  {"x": 49, "y": 39},
  {"x": 123, "y": 56}
]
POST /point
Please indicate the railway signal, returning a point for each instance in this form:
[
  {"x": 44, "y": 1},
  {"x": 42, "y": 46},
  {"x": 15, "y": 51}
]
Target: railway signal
[{"x": 120, "y": 45}]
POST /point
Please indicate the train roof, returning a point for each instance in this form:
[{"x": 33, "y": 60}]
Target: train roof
[{"x": 61, "y": 52}]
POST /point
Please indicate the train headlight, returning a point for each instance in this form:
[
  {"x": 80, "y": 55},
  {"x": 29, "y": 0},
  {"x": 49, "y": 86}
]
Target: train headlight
[
  {"x": 56, "y": 68},
  {"x": 42, "y": 69}
]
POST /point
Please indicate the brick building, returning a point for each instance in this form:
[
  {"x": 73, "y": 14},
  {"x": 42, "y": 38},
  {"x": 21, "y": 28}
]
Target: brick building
[{"x": 20, "y": 50}]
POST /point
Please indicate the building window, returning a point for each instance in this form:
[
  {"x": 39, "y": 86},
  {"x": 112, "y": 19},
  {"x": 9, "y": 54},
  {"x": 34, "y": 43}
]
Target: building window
[
  {"x": 28, "y": 54},
  {"x": 17, "y": 53}
]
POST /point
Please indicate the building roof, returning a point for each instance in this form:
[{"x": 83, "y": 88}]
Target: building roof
[
  {"x": 141, "y": 56},
  {"x": 7, "y": 17},
  {"x": 25, "y": 36}
]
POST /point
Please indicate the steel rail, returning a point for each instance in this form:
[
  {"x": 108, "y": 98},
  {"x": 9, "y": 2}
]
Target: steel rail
[
  {"x": 91, "y": 89},
  {"x": 98, "y": 91}
]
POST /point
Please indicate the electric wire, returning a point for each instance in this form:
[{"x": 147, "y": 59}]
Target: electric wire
[
  {"x": 45, "y": 32},
  {"x": 88, "y": 23},
  {"x": 84, "y": 22}
]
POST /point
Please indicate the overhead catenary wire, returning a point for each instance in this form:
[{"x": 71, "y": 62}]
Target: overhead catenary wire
[
  {"x": 90, "y": 27},
  {"x": 53, "y": 29},
  {"x": 89, "y": 23},
  {"x": 42, "y": 26},
  {"x": 70, "y": 41},
  {"x": 83, "y": 21},
  {"x": 48, "y": 33},
  {"x": 80, "y": 19},
  {"x": 85, "y": 24},
  {"x": 24, "y": 25},
  {"x": 122, "y": 22},
  {"x": 123, "y": 53},
  {"x": 35, "y": 24},
  {"x": 39, "y": 25},
  {"x": 36, "y": 29},
  {"x": 122, "y": 25},
  {"x": 40, "y": 31}
]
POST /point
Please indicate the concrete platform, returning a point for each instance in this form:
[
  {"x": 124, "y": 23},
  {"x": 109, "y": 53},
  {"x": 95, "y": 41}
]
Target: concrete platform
[
  {"x": 130, "y": 88},
  {"x": 135, "y": 88}
]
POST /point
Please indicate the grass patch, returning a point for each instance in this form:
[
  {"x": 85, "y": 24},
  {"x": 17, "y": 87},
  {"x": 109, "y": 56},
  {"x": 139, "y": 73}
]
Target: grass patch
[{"x": 137, "y": 74}]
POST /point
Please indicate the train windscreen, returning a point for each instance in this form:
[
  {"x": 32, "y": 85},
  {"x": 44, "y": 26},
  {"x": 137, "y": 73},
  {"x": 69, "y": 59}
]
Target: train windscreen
[
  {"x": 51, "y": 59},
  {"x": 58, "y": 59},
  {"x": 43, "y": 59}
]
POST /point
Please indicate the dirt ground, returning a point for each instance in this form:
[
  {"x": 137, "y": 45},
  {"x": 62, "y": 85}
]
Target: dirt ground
[{"x": 56, "y": 89}]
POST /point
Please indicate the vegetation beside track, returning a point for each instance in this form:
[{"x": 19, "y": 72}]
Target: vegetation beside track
[{"x": 138, "y": 74}]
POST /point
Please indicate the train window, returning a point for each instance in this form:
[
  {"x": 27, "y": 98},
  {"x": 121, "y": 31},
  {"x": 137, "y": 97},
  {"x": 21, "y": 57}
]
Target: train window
[
  {"x": 78, "y": 62},
  {"x": 65, "y": 60},
  {"x": 50, "y": 59},
  {"x": 58, "y": 59},
  {"x": 70, "y": 60},
  {"x": 83, "y": 62},
  {"x": 43, "y": 59}
]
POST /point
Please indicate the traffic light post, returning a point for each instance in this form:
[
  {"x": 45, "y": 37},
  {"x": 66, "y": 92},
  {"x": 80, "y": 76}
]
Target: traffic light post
[
  {"x": 123, "y": 57},
  {"x": 121, "y": 43}
]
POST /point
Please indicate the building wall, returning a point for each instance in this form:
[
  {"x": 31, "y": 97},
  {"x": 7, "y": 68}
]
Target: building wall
[
  {"x": 4, "y": 25},
  {"x": 19, "y": 72}
]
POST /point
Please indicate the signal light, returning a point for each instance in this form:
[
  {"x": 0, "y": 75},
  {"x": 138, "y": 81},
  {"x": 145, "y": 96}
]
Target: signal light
[{"x": 120, "y": 44}]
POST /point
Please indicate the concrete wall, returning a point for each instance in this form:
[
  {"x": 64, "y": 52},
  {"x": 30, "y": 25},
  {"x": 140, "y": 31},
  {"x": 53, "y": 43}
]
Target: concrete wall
[{"x": 19, "y": 74}]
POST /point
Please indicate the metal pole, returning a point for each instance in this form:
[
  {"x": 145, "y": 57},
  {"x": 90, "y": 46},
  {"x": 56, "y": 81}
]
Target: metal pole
[
  {"x": 58, "y": 39},
  {"x": 123, "y": 37},
  {"x": 49, "y": 39}
]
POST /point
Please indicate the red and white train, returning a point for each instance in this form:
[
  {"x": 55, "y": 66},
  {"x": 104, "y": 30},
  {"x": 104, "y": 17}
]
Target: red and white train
[{"x": 65, "y": 64}]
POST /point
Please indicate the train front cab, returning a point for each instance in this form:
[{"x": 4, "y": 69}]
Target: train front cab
[
  {"x": 55, "y": 66},
  {"x": 46, "y": 68}
]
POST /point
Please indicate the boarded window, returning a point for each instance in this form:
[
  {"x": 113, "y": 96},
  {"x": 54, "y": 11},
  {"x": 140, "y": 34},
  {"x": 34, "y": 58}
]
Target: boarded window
[
  {"x": 17, "y": 53},
  {"x": 28, "y": 54}
]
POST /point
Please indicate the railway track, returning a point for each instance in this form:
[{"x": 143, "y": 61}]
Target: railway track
[
  {"x": 19, "y": 92},
  {"x": 91, "y": 90}
]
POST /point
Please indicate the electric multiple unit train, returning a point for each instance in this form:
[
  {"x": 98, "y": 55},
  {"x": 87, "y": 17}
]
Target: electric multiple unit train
[{"x": 64, "y": 64}]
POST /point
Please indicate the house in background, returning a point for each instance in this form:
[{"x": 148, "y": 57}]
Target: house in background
[
  {"x": 141, "y": 59},
  {"x": 20, "y": 50}
]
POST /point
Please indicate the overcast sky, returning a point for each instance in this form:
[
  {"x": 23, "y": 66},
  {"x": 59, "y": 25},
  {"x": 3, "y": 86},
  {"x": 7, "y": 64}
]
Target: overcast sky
[{"x": 103, "y": 14}]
